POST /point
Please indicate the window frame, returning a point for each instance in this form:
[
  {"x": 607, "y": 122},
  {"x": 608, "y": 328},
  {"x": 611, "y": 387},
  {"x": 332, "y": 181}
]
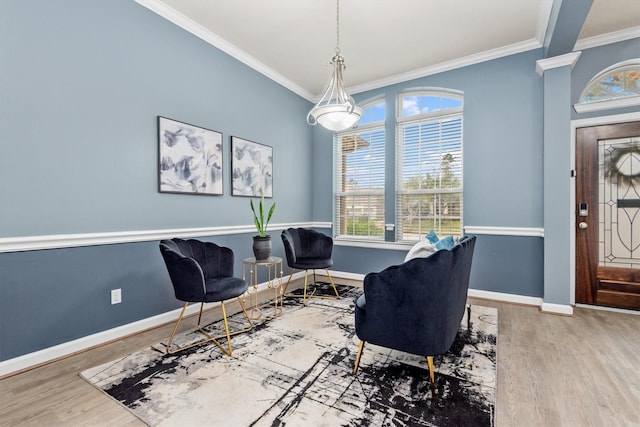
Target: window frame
[
  {"x": 402, "y": 121},
  {"x": 338, "y": 174},
  {"x": 613, "y": 102}
]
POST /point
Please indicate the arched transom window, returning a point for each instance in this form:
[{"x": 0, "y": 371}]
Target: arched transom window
[{"x": 615, "y": 87}]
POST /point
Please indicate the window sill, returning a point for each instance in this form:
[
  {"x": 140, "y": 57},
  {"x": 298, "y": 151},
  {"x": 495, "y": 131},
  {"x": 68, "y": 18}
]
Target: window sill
[{"x": 372, "y": 244}]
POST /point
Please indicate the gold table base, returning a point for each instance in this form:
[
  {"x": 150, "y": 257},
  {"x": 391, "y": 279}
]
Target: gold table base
[{"x": 272, "y": 307}]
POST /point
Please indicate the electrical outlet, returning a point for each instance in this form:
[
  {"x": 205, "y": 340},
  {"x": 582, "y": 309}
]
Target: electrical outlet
[{"x": 116, "y": 296}]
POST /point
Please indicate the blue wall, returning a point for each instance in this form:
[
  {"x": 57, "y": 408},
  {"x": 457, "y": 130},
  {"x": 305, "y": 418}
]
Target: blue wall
[
  {"x": 81, "y": 86},
  {"x": 502, "y": 170}
]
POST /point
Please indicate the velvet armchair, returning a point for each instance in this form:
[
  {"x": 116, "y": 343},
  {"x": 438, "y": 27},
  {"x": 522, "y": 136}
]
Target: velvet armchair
[
  {"x": 203, "y": 272},
  {"x": 417, "y": 306},
  {"x": 306, "y": 250}
]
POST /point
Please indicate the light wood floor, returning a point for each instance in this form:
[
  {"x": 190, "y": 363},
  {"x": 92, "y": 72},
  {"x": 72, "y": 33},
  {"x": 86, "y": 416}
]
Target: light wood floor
[{"x": 552, "y": 371}]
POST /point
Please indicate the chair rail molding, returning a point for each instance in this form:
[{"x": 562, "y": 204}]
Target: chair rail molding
[
  {"x": 57, "y": 241},
  {"x": 505, "y": 231}
]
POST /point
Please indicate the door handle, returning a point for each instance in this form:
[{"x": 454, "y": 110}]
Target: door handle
[{"x": 583, "y": 225}]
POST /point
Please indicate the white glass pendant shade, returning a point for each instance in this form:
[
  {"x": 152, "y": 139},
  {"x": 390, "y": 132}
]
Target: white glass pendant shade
[
  {"x": 336, "y": 110},
  {"x": 337, "y": 117}
]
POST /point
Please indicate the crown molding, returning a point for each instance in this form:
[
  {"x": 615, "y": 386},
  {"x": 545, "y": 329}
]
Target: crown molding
[
  {"x": 201, "y": 32},
  {"x": 449, "y": 65},
  {"x": 170, "y": 14},
  {"x": 604, "y": 39},
  {"x": 544, "y": 15},
  {"x": 557, "y": 61}
]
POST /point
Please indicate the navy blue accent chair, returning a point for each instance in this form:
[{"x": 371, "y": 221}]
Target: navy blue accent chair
[
  {"x": 417, "y": 306},
  {"x": 203, "y": 272},
  {"x": 306, "y": 250}
]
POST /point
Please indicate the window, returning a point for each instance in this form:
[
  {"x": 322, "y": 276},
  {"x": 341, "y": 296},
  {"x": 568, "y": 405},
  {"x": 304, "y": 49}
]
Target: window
[
  {"x": 360, "y": 178},
  {"x": 615, "y": 87},
  {"x": 429, "y": 164}
]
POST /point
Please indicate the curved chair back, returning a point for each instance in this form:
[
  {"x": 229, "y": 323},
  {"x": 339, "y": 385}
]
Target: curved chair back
[
  {"x": 306, "y": 248},
  {"x": 191, "y": 263},
  {"x": 417, "y": 306}
]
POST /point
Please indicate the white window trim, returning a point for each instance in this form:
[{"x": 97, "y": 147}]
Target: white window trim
[
  {"x": 380, "y": 124},
  {"x": 442, "y": 92},
  {"x": 609, "y": 104},
  {"x": 440, "y": 115}
]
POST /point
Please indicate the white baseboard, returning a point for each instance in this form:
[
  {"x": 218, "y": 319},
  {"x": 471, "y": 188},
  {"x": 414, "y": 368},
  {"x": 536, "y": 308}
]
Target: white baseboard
[
  {"x": 502, "y": 297},
  {"x": 613, "y": 309},
  {"x": 563, "y": 309},
  {"x": 50, "y": 354},
  {"x": 345, "y": 275}
]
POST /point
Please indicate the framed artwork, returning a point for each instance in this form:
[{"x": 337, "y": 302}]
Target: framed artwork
[
  {"x": 251, "y": 168},
  {"x": 190, "y": 158}
]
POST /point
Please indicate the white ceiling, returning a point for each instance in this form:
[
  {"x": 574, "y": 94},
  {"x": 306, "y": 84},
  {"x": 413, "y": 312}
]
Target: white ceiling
[{"x": 382, "y": 41}]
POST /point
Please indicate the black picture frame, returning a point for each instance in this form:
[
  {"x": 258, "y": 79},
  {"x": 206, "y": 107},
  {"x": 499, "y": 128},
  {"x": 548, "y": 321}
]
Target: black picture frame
[
  {"x": 251, "y": 168},
  {"x": 189, "y": 159}
]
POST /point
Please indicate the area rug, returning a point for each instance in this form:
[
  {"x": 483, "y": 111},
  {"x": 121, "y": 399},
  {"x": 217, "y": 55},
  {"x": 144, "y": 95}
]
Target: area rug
[{"x": 297, "y": 370}]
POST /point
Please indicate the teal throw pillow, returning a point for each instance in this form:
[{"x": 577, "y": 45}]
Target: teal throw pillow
[
  {"x": 432, "y": 237},
  {"x": 446, "y": 243}
]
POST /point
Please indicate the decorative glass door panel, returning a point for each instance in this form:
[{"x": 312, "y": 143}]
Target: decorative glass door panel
[{"x": 619, "y": 203}]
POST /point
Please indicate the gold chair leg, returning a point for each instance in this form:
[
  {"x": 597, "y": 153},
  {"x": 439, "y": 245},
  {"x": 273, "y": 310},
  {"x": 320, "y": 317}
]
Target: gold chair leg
[
  {"x": 305, "y": 296},
  {"x": 229, "y": 350},
  {"x": 245, "y": 314},
  {"x": 200, "y": 314},
  {"x": 209, "y": 338},
  {"x": 332, "y": 283},
  {"x": 431, "y": 372},
  {"x": 355, "y": 367},
  {"x": 284, "y": 291},
  {"x": 175, "y": 329},
  {"x": 312, "y": 295}
]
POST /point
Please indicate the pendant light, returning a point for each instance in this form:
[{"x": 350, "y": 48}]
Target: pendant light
[{"x": 336, "y": 110}]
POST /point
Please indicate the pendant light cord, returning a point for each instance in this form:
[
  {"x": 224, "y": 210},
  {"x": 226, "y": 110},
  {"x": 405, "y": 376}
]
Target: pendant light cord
[{"x": 337, "y": 27}]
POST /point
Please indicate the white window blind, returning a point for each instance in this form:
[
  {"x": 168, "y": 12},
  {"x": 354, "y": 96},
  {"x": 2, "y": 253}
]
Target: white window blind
[
  {"x": 360, "y": 179},
  {"x": 429, "y": 166}
]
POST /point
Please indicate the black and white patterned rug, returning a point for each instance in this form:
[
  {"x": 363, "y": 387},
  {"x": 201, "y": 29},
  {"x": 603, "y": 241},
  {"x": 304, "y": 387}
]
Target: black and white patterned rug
[{"x": 297, "y": 370}]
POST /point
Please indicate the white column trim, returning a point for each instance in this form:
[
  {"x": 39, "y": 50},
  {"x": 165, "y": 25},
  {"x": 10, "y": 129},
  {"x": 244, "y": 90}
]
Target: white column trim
[
  {"x": 557, "y": 61},
  {"x": 550, "y": 308}
]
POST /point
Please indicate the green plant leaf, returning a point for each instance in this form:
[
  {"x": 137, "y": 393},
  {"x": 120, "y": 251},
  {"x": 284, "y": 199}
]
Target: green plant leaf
[{"x": 258, "y": 217}]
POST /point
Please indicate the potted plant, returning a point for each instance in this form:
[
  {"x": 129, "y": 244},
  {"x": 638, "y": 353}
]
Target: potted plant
[{"x": 261, "y": 242}]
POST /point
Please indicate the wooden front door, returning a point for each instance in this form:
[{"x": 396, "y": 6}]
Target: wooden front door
[{"x": 608, "y": 215}]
